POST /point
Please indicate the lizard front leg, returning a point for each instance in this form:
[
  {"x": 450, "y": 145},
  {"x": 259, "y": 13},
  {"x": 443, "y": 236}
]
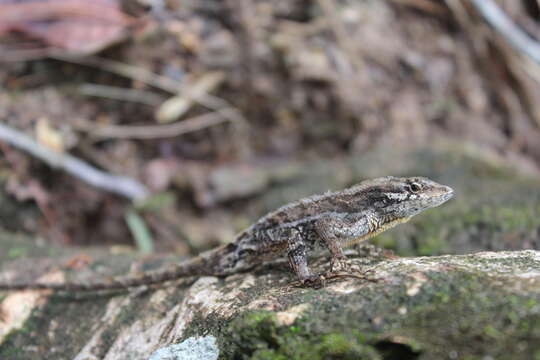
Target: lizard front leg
[{"x": 333, "y": 232}]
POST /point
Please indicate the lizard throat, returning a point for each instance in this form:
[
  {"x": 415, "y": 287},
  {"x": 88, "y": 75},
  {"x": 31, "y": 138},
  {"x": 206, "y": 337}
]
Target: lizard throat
[{"x": 376, "y": 232}]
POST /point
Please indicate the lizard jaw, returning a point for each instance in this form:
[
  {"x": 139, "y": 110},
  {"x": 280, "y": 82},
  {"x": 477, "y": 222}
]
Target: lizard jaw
[{"x": 376, "y": 232}]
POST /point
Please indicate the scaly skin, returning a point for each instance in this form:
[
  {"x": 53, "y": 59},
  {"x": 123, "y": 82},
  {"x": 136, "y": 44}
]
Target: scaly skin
[{"x": 331, "y": 220}]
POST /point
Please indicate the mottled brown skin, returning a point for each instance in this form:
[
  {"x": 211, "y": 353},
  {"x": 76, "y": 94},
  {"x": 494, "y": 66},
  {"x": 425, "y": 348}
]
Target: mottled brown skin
[{"x": 332, "y": 221}]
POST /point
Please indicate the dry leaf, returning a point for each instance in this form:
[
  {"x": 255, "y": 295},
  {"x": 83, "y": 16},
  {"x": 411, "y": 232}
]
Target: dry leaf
[
  {"x": 48, "y": 136},
  {"x": 175, "y": 107},
  {"x": 76, "y": 25}
]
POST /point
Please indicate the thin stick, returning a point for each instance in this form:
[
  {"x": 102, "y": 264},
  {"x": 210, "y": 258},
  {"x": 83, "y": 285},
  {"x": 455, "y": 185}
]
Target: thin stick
[
  {"x": 126, "y": 70},
  {"x": 424, "y": 5},
  {"x": 120, "y": 185},
  {"x": 118, "y": 93},
  {"x": 504, "y": 25},
  {"x": 165, "y": 131}
]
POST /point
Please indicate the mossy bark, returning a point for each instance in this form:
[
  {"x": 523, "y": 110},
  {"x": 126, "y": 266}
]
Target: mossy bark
[{"x": 459, "y": 306}]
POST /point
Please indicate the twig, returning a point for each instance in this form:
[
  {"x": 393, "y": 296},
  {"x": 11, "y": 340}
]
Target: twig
[
  {"x": 10, "y": 55},
  {"x": 504, "y": 25},
  {"x": 123, "y": 94},
  {"x": 165, "y": 131},
  {"x": 120, "y": 185},
  {"x": 126, "y": 70},
  {"x": 424, "y": 5}
]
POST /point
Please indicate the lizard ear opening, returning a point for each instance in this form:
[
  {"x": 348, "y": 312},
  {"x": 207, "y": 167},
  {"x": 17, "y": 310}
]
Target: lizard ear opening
[{"x": 415, "y": 187}]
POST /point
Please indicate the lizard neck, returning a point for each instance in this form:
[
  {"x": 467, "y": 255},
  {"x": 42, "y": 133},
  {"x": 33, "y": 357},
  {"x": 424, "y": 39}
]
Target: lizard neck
[{"x": 376, "y": 231}]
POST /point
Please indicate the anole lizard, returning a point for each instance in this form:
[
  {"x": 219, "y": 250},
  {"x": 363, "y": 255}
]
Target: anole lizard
[{"x": 331, "y": 220}]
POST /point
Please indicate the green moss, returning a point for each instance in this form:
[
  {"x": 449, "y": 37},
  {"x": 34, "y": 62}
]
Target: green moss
[
  {"x": 267, "y": 354},
  {"x": 337, "y": 345},
  {"x": 255, "y": 331},
  {"x": 474, "y": 309},
  {"x": 256, "y": 335}
]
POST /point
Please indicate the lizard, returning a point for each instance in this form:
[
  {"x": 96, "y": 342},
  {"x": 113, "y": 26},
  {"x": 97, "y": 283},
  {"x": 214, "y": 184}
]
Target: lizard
[{"x": 329, "y": 221}]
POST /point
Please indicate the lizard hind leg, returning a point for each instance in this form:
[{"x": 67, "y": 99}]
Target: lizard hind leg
[{"x": 298, "y": 260}]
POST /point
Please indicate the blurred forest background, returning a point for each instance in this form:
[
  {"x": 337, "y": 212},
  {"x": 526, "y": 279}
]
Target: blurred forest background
[{"x": 214, "y": 112}]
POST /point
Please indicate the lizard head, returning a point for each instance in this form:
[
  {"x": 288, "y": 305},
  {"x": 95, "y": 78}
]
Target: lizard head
[
  {"x": 406, "y": 197},
  {"x": 397, "y": 198}
]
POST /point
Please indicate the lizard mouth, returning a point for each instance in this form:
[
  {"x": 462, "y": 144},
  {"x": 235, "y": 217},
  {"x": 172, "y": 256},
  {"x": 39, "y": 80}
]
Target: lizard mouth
[{"x": 446, "y": 193}]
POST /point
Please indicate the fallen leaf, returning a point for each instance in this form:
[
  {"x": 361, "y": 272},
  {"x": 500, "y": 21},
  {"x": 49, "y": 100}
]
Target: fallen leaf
[
  {"x": 48, "y": 136},
  {"x": 175, "y": 107},
  {"x": 79, "y": 26}
]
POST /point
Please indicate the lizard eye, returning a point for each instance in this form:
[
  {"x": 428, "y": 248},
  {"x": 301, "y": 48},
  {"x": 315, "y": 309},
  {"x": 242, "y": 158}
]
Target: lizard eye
[{"x": 415, "y": 187}]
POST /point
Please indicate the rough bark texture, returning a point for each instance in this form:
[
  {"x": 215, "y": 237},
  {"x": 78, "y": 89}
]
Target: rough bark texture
[
  {"x": 455, "y": 306},
  {"x": 425, "y": 307}
]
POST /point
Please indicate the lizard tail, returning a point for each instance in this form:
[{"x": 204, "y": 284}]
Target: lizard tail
[{"x": 206, "y": 264}]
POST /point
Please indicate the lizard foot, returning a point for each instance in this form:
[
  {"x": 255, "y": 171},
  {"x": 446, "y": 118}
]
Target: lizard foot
[
  {"x": 344, "y": 268},
  {"x": 343, "y": 264},
  {"x": 319, "y": 281},
  {"x": 312, "y": 281}
]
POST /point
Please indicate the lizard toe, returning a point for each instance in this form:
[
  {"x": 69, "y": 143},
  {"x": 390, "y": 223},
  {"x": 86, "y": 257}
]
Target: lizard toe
[
  {"x": 343, "y": 265},
  {"x": 313, "y": 281}
]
